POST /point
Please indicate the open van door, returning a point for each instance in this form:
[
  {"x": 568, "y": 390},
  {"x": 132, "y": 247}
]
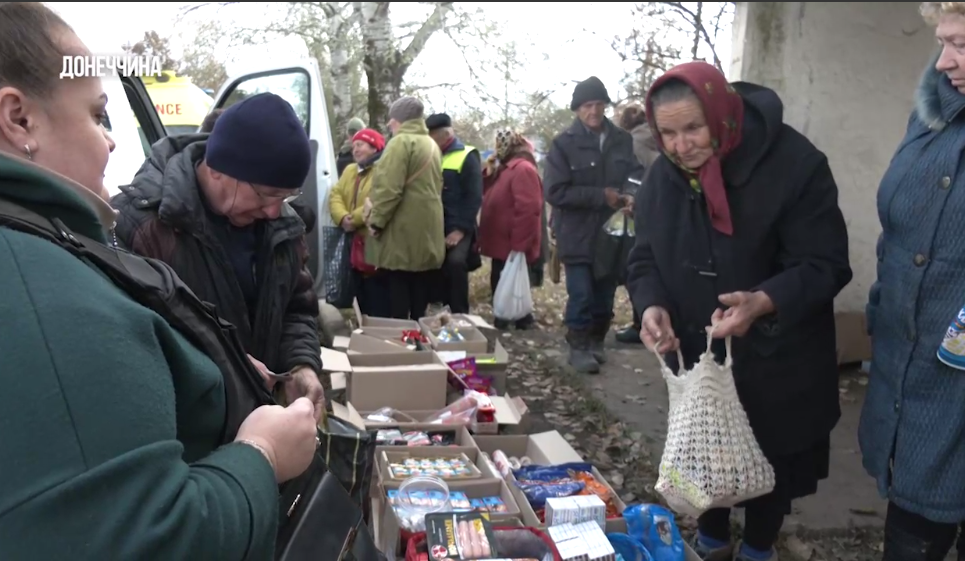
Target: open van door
[{"x": 299, "y": 83}]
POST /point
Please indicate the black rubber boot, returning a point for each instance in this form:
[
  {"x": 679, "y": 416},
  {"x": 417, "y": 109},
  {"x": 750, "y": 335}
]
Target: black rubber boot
[
  {"x": 526, "y": 322},
  {"x": 629, "y": 336},
  {"x": 597, "y": 338},
  {"x": 581, "y": 358}
]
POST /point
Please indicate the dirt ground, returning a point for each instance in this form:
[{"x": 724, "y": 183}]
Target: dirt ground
[{"x": 617, "y": 420}]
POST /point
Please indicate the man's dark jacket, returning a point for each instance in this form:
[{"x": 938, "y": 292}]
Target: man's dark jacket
[
  {"x": 161, "y": 215},
  {"x": 576, "y": 173},
  {"x": 462, "y": 192}
]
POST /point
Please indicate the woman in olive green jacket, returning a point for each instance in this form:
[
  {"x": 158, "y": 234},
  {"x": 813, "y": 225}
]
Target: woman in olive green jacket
[{"x": 405, "y": 219}]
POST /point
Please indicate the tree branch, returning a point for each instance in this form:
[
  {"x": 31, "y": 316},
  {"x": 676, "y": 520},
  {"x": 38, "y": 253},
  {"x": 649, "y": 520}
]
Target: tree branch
[{"x": 435, "y": 22}]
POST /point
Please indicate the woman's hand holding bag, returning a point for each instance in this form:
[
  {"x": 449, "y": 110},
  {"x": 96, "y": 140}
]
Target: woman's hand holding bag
[{"x": 711, "y": 458}]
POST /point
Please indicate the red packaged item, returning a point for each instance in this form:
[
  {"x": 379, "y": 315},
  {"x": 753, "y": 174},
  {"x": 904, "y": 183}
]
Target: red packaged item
[
  {"x": 485, "y": 410},
  {"x": 414, "y": 338}
]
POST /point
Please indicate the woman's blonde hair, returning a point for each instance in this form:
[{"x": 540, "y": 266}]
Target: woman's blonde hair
[{"x": 933, "y": 11}]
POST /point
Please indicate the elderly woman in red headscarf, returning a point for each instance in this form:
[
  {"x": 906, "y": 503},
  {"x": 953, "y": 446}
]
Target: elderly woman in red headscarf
[{"x": 738, "y": 226}]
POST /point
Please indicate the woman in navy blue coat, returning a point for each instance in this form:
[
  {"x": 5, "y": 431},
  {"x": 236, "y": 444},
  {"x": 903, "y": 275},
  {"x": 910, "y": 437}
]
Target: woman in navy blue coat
[{"x": 912, "y": 430}]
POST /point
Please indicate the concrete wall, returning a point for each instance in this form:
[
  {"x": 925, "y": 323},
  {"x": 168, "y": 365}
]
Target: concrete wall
[{"x": 847, "y": 73}]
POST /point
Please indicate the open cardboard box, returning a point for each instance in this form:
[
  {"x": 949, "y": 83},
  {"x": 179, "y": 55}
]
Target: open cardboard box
[
  {"x": 364, "y": 342},
  {"x": 427, "y": 323},
  {"x": 512, "y": 415},
  {"x": 404, "y": 381},
  {"x": 389, "y": 528},
  {"x": 473, "y": 341},
  {"x": 363, "y": 320},
  {"x": 410, "y": 420},
  {"x": 547, "y": 448},
  {"x": 484, "y": 470},
  {"x": 463, "y": 441},
  {"x": 492, "y": 365}
]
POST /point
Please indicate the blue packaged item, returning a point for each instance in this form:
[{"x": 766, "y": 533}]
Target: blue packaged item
[
  {"x": 628, "y": 548},
  {"x": 655, "y": 528},
  {"x": 539, "y": 483}
]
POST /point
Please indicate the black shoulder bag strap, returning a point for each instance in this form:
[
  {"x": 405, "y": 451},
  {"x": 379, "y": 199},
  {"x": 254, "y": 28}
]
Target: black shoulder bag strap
[{"x": 154, "y": 285}]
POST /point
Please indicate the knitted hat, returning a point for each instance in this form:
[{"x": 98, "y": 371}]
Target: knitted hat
[
  {"x": 373, "y": 138},
  {"x": 261, "y": 141},
  {"x": 591, "y": 89},
  {"x": 406, "y": 109},
  {"x": 354, "y": 125}
]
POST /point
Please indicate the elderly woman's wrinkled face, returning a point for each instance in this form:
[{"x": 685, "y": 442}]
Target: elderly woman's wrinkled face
[
  {"x": 951, "y": 36},
  {"x": 362, "y": 150},
  {"x": 65, "y": 133},
  {"x": 683, "y": 129}
]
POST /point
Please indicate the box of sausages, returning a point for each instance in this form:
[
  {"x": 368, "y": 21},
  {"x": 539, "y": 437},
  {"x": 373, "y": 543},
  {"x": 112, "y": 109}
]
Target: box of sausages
[{"x": 459, "y": 536}]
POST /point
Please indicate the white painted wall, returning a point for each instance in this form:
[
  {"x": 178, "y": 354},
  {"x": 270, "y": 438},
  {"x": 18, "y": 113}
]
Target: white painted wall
[{"x": 847, "y": 73}]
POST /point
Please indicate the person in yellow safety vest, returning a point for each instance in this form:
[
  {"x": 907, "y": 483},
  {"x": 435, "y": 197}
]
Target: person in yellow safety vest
[{"x": 461, "y": 198}]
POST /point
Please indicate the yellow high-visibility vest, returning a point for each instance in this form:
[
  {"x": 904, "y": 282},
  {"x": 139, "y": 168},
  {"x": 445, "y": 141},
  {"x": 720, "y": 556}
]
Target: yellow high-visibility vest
[{"x": 454, "y": 160}]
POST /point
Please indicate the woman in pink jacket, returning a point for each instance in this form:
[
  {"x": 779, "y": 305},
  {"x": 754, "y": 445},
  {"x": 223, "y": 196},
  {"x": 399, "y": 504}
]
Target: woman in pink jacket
[{"x": 511, "y": 215}]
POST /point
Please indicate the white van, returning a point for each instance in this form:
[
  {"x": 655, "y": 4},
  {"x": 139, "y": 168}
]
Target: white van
[{"x": 135, "y": 126}]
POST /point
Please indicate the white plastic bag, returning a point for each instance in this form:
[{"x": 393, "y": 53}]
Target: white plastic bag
[
  {"x": 513, "y": 300},
  {"x": 711, "y": 458}
]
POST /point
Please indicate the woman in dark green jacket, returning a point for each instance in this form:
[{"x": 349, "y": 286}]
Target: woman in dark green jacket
[{"x": 110, "y": 421}]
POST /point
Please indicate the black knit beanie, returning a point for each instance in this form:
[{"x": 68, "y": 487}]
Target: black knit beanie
[
  {"x": 261, "y": 141},
  {"x": 591, "y": 89}
]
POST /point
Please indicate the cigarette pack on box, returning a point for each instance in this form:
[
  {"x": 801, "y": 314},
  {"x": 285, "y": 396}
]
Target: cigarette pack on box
[
  {"x": 575, "y": 510},
  {"x": 582, "y": 542}
]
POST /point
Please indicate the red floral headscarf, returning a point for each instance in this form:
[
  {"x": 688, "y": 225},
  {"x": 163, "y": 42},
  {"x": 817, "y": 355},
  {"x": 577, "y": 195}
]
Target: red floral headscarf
[{"x": 724, "y": 112}]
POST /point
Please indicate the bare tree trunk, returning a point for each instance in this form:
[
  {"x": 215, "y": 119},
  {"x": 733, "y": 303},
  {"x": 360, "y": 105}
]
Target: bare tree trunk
[
  {"x": 338, "y": 27},
  {"x": 698, "y": 25},
  {"x": 385, "y": 65}
]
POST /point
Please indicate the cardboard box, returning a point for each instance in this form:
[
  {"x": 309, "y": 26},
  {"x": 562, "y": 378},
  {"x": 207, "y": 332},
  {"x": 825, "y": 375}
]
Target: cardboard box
[
  {"x": 464, "y": 441},
  {"x": 853, "y": 342},
  {"x": 481, "y": 469},
  {"x": 492, "y": 364},
  {"x": 511, "y": 416},
  {"x": 407, "y": 420},
  {"x": 389, "y": 542},
  {"x": 363, "y": 320},
  {"x": 473, "y": 341},
  {"x": 405, "y": 381},
  {"x": 548, "y": 448}
]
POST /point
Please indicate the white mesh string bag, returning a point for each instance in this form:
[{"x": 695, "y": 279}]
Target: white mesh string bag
[{"x": 711, "y": 458}]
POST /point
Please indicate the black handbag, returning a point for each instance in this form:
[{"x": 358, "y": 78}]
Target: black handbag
[{"x": 319, "y": 520}]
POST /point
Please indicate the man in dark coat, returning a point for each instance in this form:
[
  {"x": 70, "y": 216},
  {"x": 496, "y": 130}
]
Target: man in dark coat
[
  {"x": 586, "y": 169},
  {"x": 461, "y": 198},
  {"x": 215, "y": 208},
  {"x": 299, "y": 205}
]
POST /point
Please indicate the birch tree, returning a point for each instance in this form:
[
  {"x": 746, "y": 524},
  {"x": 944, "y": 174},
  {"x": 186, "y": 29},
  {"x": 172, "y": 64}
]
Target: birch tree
[{"x": 351, "y": 40}]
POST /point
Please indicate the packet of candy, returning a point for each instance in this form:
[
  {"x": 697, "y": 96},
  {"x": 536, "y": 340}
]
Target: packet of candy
[
  {"x": 459, "y": 501},
  {"x": 478, "y": 505},
  {"x": 495, "y": 504},
  {"x": 467, "y": 373}
]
